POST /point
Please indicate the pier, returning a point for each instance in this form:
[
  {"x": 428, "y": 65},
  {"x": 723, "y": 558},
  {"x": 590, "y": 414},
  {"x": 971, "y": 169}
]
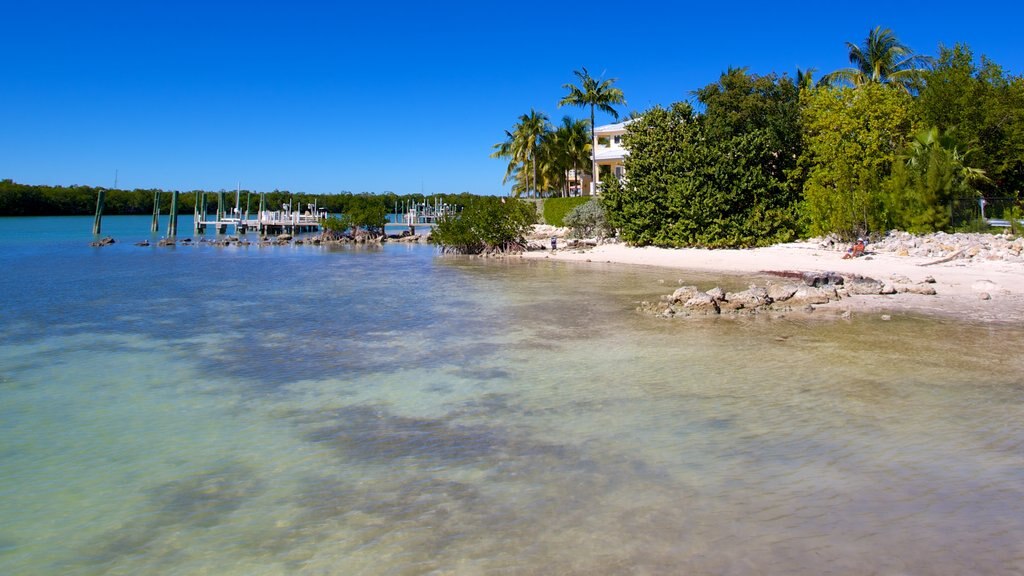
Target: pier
[{"x": 285, "y": 220}]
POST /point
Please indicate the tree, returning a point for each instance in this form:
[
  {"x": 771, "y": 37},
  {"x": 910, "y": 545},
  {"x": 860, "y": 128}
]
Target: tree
[
  {"x": 928, "y": 183},
  {"x": 596, "y": 95},
  {"x": 687, "y": 188},
  {"x": 881, "y": 59},
  {"x": 981, "y": 108},
  {"x": 565, "y": 148},
  {"x": 520, "y": 147},
  {"x": 486, "y": 225},
  {"x": 851, "y": 139}
]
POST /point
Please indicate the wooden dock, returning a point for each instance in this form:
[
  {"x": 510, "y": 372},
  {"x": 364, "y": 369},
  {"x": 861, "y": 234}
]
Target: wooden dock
[{"x": 266, "y": 222}]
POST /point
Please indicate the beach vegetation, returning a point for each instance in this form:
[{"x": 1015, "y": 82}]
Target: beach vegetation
[
  {"x": 588, "y": 220},
  {"x": 486, "y": 225},
  {"x": 930, "y": 183},
  {"x": 555, "y": 209},
  {"x": 980, "y": 107},
  {"x": 594, "y": 94},
  {"x": 882, "y": 59},
  {"x": 521, "y": 148},
  {"x": 852, "y": 138},
  {"x": 717, "y": 179}
]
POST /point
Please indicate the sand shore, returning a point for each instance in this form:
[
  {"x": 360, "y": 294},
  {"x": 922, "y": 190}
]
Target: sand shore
[{"x": 961, "y": 285}]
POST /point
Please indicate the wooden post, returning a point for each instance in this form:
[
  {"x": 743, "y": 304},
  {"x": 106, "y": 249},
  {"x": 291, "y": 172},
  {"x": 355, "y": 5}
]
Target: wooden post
[
  {"x": 221, "y": 228},
  {"x": 96, "y": 225},
  {"x": 172, "y": 224},
  {"x": 155, "y": 227},
  {"x": 259, "y": 215}
]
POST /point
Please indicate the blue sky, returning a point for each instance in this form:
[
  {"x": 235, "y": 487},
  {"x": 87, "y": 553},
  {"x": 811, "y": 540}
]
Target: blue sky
[{"x": 383, "y": 96}]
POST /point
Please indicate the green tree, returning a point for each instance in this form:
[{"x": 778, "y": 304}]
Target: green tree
[
  {"x": 981, "y": 108},
  {"x": 687, "y": 188},
  {"x": 520, "y": 147},
  {"x": 486, "y": 225},
  {"x": 564, "y": 149},
  {"x": 851, "y": 139},
  {"x": 881, "y": 59},
  {"x": 929, "y": 182},
  {"x": 595, "y": 95}
]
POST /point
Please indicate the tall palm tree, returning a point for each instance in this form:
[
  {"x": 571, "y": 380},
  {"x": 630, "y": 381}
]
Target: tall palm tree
[
  {"x": 881, "y": 59},
  {"x": 570, "y": 147},
  {"x": 520, "y": 147},
  {"x": 594, "y": 94}
]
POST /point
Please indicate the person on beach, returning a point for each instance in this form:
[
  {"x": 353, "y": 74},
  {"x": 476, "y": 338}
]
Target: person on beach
[
  {"x": 856, "y": 251},
  {"x": 554, "y": 243}
]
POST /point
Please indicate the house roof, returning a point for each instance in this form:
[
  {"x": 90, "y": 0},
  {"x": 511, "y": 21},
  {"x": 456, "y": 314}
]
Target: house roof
[{"x": 619, "y": 127}]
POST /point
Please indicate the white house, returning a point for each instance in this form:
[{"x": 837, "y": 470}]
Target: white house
[{"x": 610, "y": 153}]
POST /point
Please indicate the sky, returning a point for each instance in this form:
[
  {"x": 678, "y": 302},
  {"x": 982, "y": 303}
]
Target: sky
[{"x": 386, "y": 96}]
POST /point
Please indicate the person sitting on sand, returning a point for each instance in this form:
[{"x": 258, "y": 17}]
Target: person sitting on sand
[{"x": 856, "y": 251}]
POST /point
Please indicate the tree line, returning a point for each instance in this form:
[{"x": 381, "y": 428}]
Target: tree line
[
  {"x": 897, "y": 140},
  {"x": 38, "y": 200}
]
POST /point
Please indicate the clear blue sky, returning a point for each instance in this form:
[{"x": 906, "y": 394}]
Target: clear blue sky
[{"x": 382, "y": 96}]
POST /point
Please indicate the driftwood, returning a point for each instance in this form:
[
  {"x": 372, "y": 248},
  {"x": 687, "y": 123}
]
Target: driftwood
[{"x": 952, "y": 256}]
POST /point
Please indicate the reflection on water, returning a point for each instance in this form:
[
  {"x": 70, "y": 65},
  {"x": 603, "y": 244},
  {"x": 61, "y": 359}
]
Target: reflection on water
[{"x": 315, "y": 412}]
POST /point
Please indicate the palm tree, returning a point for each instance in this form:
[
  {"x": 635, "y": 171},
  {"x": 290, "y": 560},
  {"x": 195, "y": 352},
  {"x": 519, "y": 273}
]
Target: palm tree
[
  {"x": 596, "y": 95},
  {"x": 882, "y": 59},
  {"x": 520, "y": 147}
]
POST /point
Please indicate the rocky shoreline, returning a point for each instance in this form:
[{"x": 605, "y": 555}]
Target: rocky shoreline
[
  {"x": 813, "y": 290},
  {"x": 964, "y": 276}
]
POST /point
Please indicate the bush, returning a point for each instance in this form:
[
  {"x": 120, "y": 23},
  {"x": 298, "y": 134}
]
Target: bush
[
  {"x": 588, "y": 221},
  {"x": 555, "y": 209},
  {"x": 486, "y": 225}
]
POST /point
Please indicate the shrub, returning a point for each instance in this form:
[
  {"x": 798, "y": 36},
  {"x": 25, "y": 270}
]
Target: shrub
[
  {"x": 555, "y": 209},
  {"x": 486, "y": 225},
  {"x": 588, "y": 221}
]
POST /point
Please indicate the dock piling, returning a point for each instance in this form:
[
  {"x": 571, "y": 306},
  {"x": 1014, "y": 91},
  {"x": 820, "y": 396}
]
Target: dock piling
[
  {"x": 96, "y": 225},
  {"x": 155, "y": 226},
  {"x": 172, "y": 224}
]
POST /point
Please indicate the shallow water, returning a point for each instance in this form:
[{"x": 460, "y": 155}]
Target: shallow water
[{"x": 306, "y": 410}]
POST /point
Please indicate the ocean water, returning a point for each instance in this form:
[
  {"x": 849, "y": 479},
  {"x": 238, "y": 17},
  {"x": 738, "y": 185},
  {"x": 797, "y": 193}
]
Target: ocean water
[{"x": 385, "y": 410}]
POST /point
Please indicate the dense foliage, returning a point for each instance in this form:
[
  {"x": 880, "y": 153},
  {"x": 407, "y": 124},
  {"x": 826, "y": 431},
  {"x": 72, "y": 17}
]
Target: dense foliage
[
  {"x": 589, "y": 220},
  {"x": 717, "y": 179},
  {"x": 852, "y": 138},
  {"x": 486, "y": 225},
  {"x": 555, "y": 209}
]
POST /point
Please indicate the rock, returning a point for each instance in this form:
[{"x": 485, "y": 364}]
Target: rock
[
  {"x": 923, "y": 289},
  {"x": 284, "y": 237},
  {"x": 886, "y": 317},
  {"x": 105, "y": 241},
  {"x": 716, "y": 293},
  {"x": 863, "y": 285},
  {"x": 809, "y": 295},
  {"x": 822, "y": 279},
  {"x": 928, "y": 280},
  {"x": 166, "y": 242},
  {"x": 142, "y": 243},
  {"x": 984, "y": 296},
  {"x": 684, "y": 293},
  {"x": 702, "y": 304},
  {"x": 781, "y": 292}
]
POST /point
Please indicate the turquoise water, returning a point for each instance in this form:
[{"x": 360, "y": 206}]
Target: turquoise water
[{"x": 317, "y": 410}]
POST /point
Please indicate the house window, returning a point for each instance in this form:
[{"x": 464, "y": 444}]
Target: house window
[
  {"x": 620, "y": 172},
  {"x": 618, "y": 139}
]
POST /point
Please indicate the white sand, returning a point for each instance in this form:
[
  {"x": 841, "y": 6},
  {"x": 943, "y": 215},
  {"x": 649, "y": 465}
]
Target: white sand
[{"x": 959, "y": 283}]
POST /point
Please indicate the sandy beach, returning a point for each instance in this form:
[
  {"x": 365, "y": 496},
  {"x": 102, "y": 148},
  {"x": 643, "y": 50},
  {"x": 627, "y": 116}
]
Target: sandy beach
[{"x": 967, "y": 289}]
